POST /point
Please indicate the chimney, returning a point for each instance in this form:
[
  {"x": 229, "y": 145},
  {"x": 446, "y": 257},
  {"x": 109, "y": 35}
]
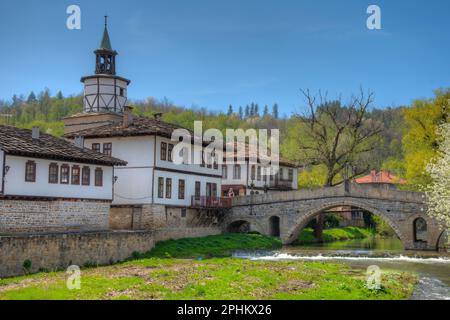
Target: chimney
[
  {"x": 127, "y": 116},
  {"x": 79, "y": 142},
  {"x": 35, "y": 133},
  {"x": 158, "y": 116}
]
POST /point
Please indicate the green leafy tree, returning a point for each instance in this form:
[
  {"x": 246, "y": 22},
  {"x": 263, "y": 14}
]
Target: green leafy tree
[
  {"x": 275, "y": 111},
  {"x": 230, "y": 110},
  {"x": 266, "y": 111},
  {"x": 420, "y": 141}
]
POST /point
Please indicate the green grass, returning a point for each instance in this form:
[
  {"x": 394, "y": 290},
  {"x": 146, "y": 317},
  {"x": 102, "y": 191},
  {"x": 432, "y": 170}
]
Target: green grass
[
  {"x": 218, "y": 278},
  {"x": 211, "y": 246},
  {"x": 335, "y": 234}
]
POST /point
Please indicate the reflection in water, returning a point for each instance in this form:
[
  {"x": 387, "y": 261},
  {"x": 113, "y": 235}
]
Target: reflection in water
[{"x": 433, "y": 268}]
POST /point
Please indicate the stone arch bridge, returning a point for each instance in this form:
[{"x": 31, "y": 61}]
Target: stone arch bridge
[{"x": 285, "y": 214}]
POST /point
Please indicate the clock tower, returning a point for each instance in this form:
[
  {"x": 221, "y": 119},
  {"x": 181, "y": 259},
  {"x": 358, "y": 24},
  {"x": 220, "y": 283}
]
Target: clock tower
[{"x": 105, "y": 91}]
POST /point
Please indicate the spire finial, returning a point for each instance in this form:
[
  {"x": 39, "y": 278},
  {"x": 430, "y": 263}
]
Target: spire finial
[{"x": 106, "y": 21}]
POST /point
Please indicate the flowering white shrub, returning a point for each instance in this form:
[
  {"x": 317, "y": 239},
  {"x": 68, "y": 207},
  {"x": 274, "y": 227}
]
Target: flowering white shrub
[{"x": 438, "y": 192}]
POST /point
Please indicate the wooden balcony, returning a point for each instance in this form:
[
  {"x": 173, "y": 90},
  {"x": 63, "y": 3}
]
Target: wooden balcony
[
  {"x": 280, "y": 184},
  {"x": 204, "y": 202}
]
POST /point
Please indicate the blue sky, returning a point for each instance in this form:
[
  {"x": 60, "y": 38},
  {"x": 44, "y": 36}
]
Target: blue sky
[{"x": 210, "y": 53}]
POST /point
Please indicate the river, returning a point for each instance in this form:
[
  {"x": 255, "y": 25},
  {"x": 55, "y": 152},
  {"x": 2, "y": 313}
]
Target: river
[{"x": 433, "y": 268}]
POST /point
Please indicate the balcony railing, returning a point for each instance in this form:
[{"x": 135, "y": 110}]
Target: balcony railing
[
  {"x": 285, "y": 184},
  {"x": 211, "y": 202}
]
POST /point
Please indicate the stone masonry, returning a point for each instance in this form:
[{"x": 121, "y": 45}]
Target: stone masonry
[
  {"x": 295, "y": 209},
  {"x": 32, "y": 216},
  {"x": 60, "y": 250}
]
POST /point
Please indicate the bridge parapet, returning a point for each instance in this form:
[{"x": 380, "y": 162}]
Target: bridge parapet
[{"x": 343, "y": 190}]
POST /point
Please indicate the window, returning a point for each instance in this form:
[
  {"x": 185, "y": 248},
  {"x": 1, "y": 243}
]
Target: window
[
  {"x": 253, "y": 173},
  {"x": 107, "y": 148},
  {"x": 291, "y": 175},
  {"x": 183, "y": 212},
  {"x": 64, "y": 174},
  {"x": 198, "y": 186},
  {"x": 122, "y": 91},
  {"x": 53, "y": 173},
  {"x": 211, "y": 189},
  {"x": 76, "y": 175},
  {"x": 96, "y": 147},
  {"x": 30, "y": 171},
  {"x": 98, "y": 177},
  {"x": 181, "y": 184},
  {"x": 160, "y": 187},
  {"x": 86, "y": 176},
  {"x": 237, "y": 172},
  {"x": 169, "y": 152},
  {"x": 224, "y": 172},
  {"x": 258, "y": 175},
  {"x": 281, "y": 174},
  {"x": 163, "y": 151},
  {"x": 168, "y": 188}
]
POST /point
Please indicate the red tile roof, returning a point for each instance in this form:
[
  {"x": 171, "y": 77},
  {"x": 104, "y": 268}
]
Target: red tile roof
[{"x": 380, "y": 177}]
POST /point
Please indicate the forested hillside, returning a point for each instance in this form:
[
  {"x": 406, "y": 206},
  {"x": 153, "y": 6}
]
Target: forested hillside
[{"x": 404, "y": 142}]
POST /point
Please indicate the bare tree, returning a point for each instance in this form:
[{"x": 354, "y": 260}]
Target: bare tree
[{"x": 336, "y": 136}]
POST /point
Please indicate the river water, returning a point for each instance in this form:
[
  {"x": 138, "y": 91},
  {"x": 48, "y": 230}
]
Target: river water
[{"x": 433, "y": 268}]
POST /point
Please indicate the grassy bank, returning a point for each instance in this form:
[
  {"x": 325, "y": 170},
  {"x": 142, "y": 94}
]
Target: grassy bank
[
  {"x": 211, "y": 246},
  {"x": 219, "y": 278},
  {"x": 335, "y": 234}
]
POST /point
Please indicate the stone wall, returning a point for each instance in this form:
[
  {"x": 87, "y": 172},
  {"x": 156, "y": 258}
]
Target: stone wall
[
  {"x": 178, "y": 233},
  {"x": 31, "y": 216},
  {"x": 58, "y": 251},
  {"x": 166, "y": 222}
]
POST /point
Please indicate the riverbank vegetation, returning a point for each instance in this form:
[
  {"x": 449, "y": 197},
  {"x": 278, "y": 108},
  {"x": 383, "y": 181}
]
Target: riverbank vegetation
[
  {"x": 219, "y": 278},
  {"x": 334, "y": 234},
  {"x": 211, "y": 246}
]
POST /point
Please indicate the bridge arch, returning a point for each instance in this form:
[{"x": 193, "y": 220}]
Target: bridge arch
[
  {"x": 275, "y": 226},
  {"x": 239, "y": 226},
  {"x": 302, "y": 220}
]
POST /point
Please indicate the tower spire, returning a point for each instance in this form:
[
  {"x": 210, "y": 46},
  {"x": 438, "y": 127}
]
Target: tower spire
[{"x": 106, "y": 42}]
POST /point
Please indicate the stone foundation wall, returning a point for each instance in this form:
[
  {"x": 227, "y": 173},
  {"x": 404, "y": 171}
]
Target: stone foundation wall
[
  {"x": 178, "y": 233},
  {"x": 165, "y": 222},
  {"x": 30, "y": 216},
  {"x": 58, "y": 251}
]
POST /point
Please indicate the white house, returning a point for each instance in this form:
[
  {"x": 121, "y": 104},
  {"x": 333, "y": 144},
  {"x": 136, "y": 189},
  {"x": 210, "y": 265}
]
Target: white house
[
  {"x": 49, "y": 184},
  {"x": 151, "y": 176},
  {"x": 246, "y": 177}
]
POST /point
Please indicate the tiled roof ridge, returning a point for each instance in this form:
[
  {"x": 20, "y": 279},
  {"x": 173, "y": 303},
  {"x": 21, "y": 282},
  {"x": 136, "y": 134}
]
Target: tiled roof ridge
[{"x": 19, "y": 141}]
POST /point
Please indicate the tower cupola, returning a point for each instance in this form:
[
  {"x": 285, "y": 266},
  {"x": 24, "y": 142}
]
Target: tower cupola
[
  {"x": 105, "y": 56},
  {"x": 105, "y": 92}
]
